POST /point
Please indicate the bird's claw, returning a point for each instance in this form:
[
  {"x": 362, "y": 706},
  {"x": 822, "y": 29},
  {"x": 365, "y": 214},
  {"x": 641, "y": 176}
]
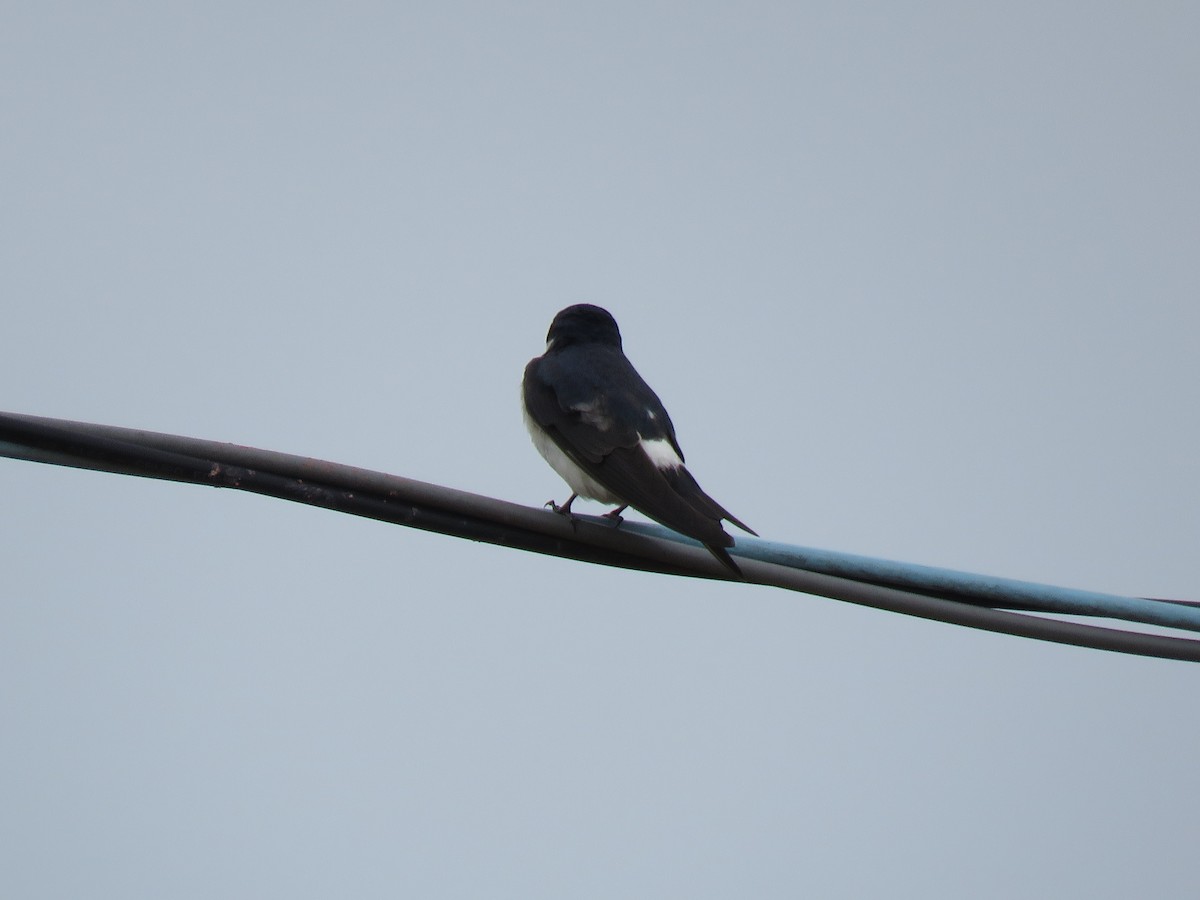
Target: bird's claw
[{"x": 564, "y": 510}]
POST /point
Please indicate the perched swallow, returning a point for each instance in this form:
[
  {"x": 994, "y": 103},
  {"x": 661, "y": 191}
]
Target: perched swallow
[{"x": 603, "y": 429}]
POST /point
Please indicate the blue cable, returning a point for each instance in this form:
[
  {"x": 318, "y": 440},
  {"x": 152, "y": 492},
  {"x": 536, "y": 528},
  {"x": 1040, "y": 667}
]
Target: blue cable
[{"x": 985, "y": 590}]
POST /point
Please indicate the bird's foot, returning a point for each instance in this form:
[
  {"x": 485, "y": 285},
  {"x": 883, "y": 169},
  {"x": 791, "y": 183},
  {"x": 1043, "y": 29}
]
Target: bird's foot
[
  {"x": 615, "y": 516},
  {"x": 564, "y": 510}
]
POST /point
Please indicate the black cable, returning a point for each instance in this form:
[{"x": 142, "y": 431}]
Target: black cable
[{"x": 312, "y": 482}]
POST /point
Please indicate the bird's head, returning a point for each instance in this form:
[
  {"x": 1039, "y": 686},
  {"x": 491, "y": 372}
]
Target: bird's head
[{"x": 583, "y": 324}]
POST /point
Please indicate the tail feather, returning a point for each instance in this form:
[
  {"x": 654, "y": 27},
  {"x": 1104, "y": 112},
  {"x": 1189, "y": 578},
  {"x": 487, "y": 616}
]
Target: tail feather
[
  {"x": 725, "y": 559},
  {"x": 686, "y": 486},
  {"x": 739, "y": 524}
]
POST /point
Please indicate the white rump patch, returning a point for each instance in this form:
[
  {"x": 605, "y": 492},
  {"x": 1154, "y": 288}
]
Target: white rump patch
[{"x": 661, "y": 453}]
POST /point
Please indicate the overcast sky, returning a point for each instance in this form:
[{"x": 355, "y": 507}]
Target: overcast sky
[{"x": 918, "y": 285}]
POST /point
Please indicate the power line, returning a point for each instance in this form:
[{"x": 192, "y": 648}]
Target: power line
[{"x": 954, "y": 597}]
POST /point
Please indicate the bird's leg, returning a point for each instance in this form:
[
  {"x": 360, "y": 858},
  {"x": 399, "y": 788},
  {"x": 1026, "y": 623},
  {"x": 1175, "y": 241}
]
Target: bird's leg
[
  {"x": 615, "y": 515},
  {"x": 565, "y": 509}
]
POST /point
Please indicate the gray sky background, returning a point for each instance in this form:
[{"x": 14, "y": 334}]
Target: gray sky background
[{"x": 913, "y": 284}]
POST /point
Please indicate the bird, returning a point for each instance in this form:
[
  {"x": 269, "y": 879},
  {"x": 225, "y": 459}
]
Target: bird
[{"x": 605, "y": 432}]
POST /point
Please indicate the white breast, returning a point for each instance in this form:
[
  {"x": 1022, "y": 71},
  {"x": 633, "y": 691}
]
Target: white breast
[{"x": 578, "y": 480}]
